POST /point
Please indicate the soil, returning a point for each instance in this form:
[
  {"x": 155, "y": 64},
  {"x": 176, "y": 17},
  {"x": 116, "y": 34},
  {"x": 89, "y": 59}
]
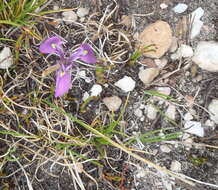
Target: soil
[{"x": 200, "y": 163}]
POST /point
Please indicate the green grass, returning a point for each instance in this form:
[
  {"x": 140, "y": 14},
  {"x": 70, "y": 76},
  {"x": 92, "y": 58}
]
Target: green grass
[{"x": 18, "y": 12}]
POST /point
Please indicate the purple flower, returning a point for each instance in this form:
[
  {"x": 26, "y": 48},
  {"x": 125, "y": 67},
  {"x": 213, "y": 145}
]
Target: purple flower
[
  {"x": 63, "y": 81},
  {"x": 52, "y": 45},
  {"x": 85, "y": 53}
]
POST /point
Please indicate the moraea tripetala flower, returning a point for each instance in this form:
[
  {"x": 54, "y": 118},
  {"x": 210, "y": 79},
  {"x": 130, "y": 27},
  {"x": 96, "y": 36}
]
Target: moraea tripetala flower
[{"x": 53, "y": 45}]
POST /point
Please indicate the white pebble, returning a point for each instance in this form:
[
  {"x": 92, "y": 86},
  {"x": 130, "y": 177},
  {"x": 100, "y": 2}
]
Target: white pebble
[
  {"x": 6, "y": 59},
  {"x": 176, "y": 166},
  {"x": 85, "y": 96},
  {"x": 213, "y": 109},
  {"x": 171, "y": 112},
  {"x": 148, "y": 75},
  {"x": 82, "y": 12},
  {"x": 165, "y": 148},
  {"x": 113, "y": 103},
  {"x": 163, "y": 5},
  {"x": 69, "y": 17},
  {"x": 151, "y": 112},
  {"x": 138, "y": 113},
  {"x": 96, "y": 90},
  {"x": 126, "y": 84},
  {"x": 195, "y": 128},
  {"x": 196, "y": 22},
  {"x": 188, "y": 116},
  {"x": 180, "y": 8}
]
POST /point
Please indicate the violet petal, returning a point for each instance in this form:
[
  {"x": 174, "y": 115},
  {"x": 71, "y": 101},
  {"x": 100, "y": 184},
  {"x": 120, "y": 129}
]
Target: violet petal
[
  {"x": 63, "y": 82},
  {"x": 52, "y": 45}
]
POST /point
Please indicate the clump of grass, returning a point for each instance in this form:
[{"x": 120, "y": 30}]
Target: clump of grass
[{"x": 18, "y": 12}]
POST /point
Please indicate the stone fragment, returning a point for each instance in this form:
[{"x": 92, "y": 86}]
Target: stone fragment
[
  {"x": 161, "y": 63},
  {"x": 213, "y": 109},
  {"x": 126, "y": 84},
  {"x": 151, "y": 112},
  {"x": 113, "y": 103},
  {"x": 82, "y": 12},
  {"x": 171, "y": 112},
  {"x": 148, "y": 75},
  {"x": 164, "y": 90},
  {"x": 69, "y": 17},
  {"x": 174, "y": 45},
  {"x": 138, "y": 112},
  {"x": 176, "y": 166},
  {"x": 195, "y": 128},
  {"x": 180, "y": 8},
  {"x": 205, "y": 55},
  {"x": 159, "y": 34},
  {"x": 163, "y": 5},
  {"x": 6, "y": 58},
  {"x": 196, "y": 22},
  {"x": 188, "y": 116},
  {"x": 165, "y": 148},
  {"x": 96, "y": 90},
  {"x": 183, "y": 51}
]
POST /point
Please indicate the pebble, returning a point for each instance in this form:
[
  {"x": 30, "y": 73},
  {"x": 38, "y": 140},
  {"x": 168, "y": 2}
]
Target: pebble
[
  {"x": 85, "y": 96},
  {"x": 171, "y": 112},
  {"x": 69, "y": 17},
  {"x": 82, "y": 12},
  {"x": 194, "y": 127},
  {"x": 176, "y": 166},
  {"x": 188, "y": 117},
  {"x": 213, "y": 109},
  {"x": 164, "y": 90},
  {"x": 148, "y": 75},
  {"x": 180, "y": 8},
  {"x": 165, "y": 148},
  {"x": 113, "y": 103},
  {"x": 126, "y": 84},
  {"x": 188, "y": 143},
  {"x": 138, "y": 112},
  {"x": 209, "y": 123},
  {"x": 96, "y": 90},
  {"x": 183, "y": 51},
  {"x": 163, "y": 5},
  {"x": 205, "y": 55},
  {"x": 159, "y": 34},
  {"x": 196, "y": 22},
  {"x": 6, "y": 58},
  {"x": 151, "y": 112},
  {"x": 174, "y": 44},
  {"x": 161, "y": 63}
]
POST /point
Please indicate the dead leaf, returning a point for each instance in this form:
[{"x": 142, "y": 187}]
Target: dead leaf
[{"x": 50, "y": 70}]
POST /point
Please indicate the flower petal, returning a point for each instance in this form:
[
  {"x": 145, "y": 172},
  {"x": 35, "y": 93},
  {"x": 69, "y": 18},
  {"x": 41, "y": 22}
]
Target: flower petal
[
  {"x": 51, "y": 45},
  {"x": 88, "y": 55},
  {"x": 63, "y": 83}
]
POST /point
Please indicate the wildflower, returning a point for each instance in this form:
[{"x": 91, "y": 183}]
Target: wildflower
[{"x": 52, "y": 45}]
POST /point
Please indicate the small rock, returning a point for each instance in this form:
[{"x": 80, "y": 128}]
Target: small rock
[
  {"x": 151, "y": 112},
  {"x": 165, "y": 148},
  {"x": 209, "y": 123},
  {"x": 113, "y": 103},
  {"x": 205, "y": 55},
  {"x": 149, "y": 62},
  {"x": 6, "y": 58},
  {"x": 138, "y": 113},
  {"x": 174, "y": 45},
  {"x": 161, "y": 63},
  {"x": 213, "y": 109},
  {"x": 159, "y": 34},
  {"x": 183, "y": 51},
  {"x": 164, "y": 90},
  {"x": 85, "y": 96},
  {"x": 180, "y": 8},
  {"x": 163, "y": 5},
  {"x": 195, "y": 128},
  {"x": 126, "y": 84},
  {"x": 188, "y": 116},
  {"x": 148, "y": 75},
  {"x": 188, "y": 143},
  {"x": 96, "y": 90},
  {"x": 176, "y": 166},
  {"x": 69, "y": 17},
  {"x": 171, "y": 112},
  {"x": 196, "y": 22},
  {"x": 55, "y": 7},
  {"x": 82, "y": 12}
]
